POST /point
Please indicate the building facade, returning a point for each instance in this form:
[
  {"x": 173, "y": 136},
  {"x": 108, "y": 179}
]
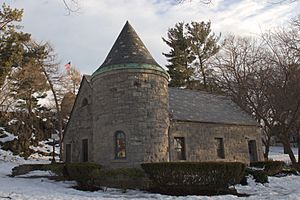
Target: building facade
[{"x": 125, "y": 114}]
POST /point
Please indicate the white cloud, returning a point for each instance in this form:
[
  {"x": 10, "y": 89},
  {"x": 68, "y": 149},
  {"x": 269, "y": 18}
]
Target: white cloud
[{"x": 86, "y": 37}]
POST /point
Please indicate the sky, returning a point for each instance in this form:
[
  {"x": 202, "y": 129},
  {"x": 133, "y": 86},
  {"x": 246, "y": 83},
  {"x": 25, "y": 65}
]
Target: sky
[{"x": 86, "y": 36}]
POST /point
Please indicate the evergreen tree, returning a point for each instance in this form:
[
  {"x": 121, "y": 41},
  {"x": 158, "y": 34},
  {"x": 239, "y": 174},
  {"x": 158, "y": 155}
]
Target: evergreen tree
[
  {"x": 29, "y": 84},
  {"x": 11, "y": 41},
  {"x": 179, "y": 56},
  {"x": 192, "y": 46},
  {"x": 203, "y": 46}
]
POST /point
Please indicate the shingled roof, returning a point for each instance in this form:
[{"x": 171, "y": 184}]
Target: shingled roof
[
  {"x": 128, "y": 48},
  {"x": 129, "y": 52},
  {"x": 197, "y": 106}
]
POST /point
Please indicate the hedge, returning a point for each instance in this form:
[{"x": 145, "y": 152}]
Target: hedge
[
  {"x": 56, "y": 168},
  {"x": 83, "y": 174},
  {"x": 123, "y": 178},
  {"x": 91, "y": 177},
  {"x": 26, "y": 168},
  {"x": 184, "y": 178},
  {"x": 270, "y": 167},
  {"x": 259, "y": 175}
]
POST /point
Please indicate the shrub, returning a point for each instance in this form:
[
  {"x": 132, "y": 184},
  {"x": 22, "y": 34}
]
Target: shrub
[
  {"x": 56, "y": 168},
  {"x": 82, "y": 173},
  {"x": 26, "y": 168},
  {"x": 270, "y": 167},
  {"x": 259, "y": 175},
  {"x": 124, "y": 178},
  {"x": 183, "y": 178},
  {"x": 133, "y": 173}
]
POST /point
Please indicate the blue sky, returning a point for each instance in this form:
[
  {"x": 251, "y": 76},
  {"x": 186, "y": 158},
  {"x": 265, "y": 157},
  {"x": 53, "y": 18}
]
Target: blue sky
[{"x": 85, "y": 38}]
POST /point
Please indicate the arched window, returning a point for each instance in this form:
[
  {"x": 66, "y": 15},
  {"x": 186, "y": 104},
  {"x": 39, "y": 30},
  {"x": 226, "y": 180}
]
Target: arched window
[
  {"x": 120, "y": 142},
  {"x": 84, "y": 102}
]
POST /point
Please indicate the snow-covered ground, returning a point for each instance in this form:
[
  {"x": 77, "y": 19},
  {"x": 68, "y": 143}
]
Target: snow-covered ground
[
  {"x": 23, "y": 187},
  {"x": 276, "y": 153}
]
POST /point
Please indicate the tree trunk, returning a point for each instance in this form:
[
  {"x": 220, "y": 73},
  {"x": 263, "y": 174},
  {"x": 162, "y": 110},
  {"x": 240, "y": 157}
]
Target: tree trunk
[
  {"x": 58, "y": 114},
  {"x": 298, "y": 147},
  {"x": 287, "y": 146},
  {"x": 203, "y": 75},
  {"x": 60, "y": 131},
  {"x": 267, "y": 148},
  {"x": 266, "y": 142}
]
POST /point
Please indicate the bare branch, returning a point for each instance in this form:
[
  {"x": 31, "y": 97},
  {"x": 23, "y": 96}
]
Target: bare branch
[
  {"x": 202, "y": 1},
  {"x": 282, "y": 1},
  {"x": 71, "y": 6}
]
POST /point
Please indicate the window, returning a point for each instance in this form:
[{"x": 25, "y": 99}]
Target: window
[
  {"x": 179, "y": 145},
  {"x": 120, "y": 143},
  {"x": 68, "y": 153},
  {"x": 85, "y": 150},
  {"x": 84, "y": 102},
  {"x": 220, "y": 148}
]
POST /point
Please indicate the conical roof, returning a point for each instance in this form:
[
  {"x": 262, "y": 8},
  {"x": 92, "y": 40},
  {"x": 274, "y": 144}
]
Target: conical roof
[{"x": 128, "y": 51}]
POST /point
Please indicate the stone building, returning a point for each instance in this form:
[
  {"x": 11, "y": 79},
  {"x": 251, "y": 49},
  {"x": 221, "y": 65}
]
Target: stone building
[{"x": 125, "y": 114}]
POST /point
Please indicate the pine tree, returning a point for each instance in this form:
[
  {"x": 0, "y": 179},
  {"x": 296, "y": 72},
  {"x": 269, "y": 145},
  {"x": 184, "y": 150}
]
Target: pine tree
[
  {"x": 179, "y": 56},
  {"x": 203, "y": 46},
  {"x": 192, "y": 46},
  {"x": 29, "y": 83},
  {"x": 11, "y": 40}
]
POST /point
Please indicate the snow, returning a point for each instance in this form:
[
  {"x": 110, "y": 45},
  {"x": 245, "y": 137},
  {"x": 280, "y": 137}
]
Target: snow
[
  {"x": 36, "y": 173},
  {"x": 9, "y": 137},
  {"x": 47, "y": 101},
  {"x": 276, "y": 153},
  {"x": 278, "y": 188},
  {"x": 45, "y": 148},
  {"x": 29, "y": 186},
  {"x": 13, "y": 121}
]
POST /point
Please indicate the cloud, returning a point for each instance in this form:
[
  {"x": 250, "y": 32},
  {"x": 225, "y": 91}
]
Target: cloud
[{"x": 85, "y": 38}]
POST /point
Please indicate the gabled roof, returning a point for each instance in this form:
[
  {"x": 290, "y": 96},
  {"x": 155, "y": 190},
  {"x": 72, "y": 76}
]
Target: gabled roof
[
  {"x": 129, "y": 51},
  {"x": 87, "y": 79},
  {"x": 198, "y": 106}
]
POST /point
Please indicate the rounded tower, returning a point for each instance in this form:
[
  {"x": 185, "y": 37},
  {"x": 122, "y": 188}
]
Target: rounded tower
[{"x": 130, "y": 105}]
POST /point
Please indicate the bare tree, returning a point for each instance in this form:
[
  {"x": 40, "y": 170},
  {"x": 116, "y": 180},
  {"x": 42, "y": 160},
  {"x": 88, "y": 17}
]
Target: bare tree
[
  {"x": 50, "y": 69},
  {"x": 202, "y": 1},
  {"x": 242, "y": 75},
  {"x": 282, "y": 1},
  {"x": 71, "y": 80},
  {"x": 71, "y": 5},
  {"x": 283, "y": 92}
]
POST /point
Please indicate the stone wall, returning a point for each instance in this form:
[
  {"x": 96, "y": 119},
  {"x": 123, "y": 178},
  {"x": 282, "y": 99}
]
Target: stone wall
[
  {"x": 80, "y": 124},
  {"x": 200, "y": 143},
  {"x": 134, "y": 101}
]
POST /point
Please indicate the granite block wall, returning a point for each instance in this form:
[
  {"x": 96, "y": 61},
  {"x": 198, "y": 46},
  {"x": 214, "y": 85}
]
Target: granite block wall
[
  {"x": 135, "y": 102},
  {"x": 201, "y": 144}
]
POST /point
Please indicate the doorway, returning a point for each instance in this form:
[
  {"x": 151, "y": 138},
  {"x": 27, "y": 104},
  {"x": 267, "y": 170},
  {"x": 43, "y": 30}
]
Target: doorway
[{"x": 252, "y": 150}]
